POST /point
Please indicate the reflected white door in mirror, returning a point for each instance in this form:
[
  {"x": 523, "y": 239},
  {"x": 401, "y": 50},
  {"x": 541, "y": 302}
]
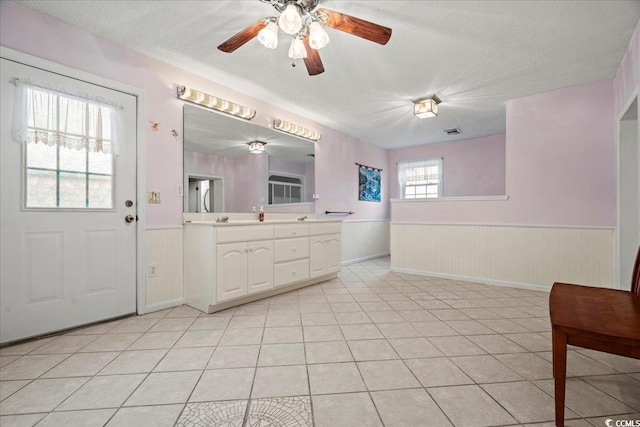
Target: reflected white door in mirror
[{"x": 228, "y": 264}]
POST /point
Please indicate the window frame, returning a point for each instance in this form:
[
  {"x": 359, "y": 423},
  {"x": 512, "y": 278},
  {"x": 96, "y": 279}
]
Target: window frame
[
  {"x": 58, "y": 171},
  {"x": 402, "y": 167},
  {"x": 270, "y": 184}
]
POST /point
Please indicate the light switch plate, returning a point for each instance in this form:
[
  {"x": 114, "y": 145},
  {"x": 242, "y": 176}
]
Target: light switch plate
[
  {"x": 179, "y": 190},
  {"x": 154, "y": 197}
]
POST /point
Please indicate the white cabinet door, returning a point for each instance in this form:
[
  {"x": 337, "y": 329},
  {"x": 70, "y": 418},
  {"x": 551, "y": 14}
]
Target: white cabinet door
[
  {"x": 326, "y": 255},
  {"x": 317, "y": 256},
  {"x": 334, "y": 253},
  {"x": 231, "y": 275},
  {"x": 260, "y": 266}
]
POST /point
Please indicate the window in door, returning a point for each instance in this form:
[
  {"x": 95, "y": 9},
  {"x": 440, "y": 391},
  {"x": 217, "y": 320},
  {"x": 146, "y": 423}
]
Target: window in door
[
  {"x": 69, "y": 156},
  {"x": 421, "y": 179}
]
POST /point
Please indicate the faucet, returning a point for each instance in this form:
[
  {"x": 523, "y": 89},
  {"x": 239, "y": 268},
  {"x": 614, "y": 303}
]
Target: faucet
[
  {"x": 302, "y": 218},
  {"x": 223, "y": 219}
]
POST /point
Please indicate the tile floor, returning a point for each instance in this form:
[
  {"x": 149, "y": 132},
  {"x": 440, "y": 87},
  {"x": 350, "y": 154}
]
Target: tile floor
[{"x": 371, "y": 348}]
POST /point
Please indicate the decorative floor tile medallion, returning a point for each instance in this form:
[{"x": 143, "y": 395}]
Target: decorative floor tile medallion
[
  {"x": 280, "y": 412},
  {"x": 270, "y": 412},
  {"x": 213, "y": 414}
]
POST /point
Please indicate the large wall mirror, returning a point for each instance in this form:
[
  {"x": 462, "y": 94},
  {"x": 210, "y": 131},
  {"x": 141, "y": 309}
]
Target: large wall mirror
[{"x": 222, "y": 175}]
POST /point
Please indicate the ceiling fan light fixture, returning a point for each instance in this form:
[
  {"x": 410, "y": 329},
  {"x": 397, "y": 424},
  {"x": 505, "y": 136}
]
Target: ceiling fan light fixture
[
  {"x": 318, "y": 37},
  {"x": 297, "y": 49},
  {"x": 290, "y": 20},
  {"x": 426, "y": 108},
  {"x": 257, "y": 147},
  {"x": 268, "y": 36}
]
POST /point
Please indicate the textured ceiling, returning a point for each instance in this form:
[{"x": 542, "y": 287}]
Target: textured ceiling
[{"x": 474, "y": 55}]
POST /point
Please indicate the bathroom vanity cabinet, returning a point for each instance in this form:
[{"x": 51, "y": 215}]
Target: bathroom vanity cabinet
[{"x": 228, "y": 264}]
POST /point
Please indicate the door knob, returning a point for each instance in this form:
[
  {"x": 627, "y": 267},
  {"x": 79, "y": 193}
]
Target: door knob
[{"x": 129, "y": 218}]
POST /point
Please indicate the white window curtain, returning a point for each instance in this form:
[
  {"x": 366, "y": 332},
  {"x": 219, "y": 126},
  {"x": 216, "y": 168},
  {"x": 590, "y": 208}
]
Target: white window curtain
[
  {"x": 52, "y": 117},
  {"x": 419, "y": 179}
]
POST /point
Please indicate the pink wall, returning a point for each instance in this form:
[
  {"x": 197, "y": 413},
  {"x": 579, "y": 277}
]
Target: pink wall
[
  {"x": 337, "y": 176},
  {"x": 310, "y": 181},
  {"x": 24, "y": 30},
  {"x": 628, "y": 76},
  {"x": 470, "y": 167},
  {"x": 560, "y": 157},
  {"x": 281, "y": 165},
  {"x": 250, "y": 176}
]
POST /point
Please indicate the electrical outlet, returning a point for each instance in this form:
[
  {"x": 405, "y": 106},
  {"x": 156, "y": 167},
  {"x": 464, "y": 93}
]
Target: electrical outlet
[
  {"x": 152, "y": 270},
  {"x": 179, "y": 190},
  {"x": 154, "y": 197}
]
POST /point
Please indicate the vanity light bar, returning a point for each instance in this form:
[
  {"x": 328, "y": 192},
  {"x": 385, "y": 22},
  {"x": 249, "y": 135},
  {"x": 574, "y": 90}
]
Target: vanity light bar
[
  {"x": 296, "y": 130},
  {"x": 215, "y": 103}
]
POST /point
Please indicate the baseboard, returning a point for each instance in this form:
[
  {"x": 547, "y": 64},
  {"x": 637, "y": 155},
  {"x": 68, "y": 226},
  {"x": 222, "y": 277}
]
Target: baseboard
[
  {"x": 164, "y": 305},
  {"x": 505, "y": 283},
  {"x": 366, "y": 258}
]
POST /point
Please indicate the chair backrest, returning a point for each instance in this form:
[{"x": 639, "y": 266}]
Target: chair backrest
[{"x": 635, "y": 278}]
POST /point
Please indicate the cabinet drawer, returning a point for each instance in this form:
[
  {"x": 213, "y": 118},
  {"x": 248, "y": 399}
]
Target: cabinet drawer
[
  {"x": 288, "y": 231},
  {"x": 291, "y": 272},
  {"x": 244, "y": 233},
  {"x": 326, "y": 228},
  {"x": 290, "y": 249}
]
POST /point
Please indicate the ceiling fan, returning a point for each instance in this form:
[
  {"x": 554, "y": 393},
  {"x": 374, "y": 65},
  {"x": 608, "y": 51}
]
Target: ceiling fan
[{"x": 301, "y": 19}]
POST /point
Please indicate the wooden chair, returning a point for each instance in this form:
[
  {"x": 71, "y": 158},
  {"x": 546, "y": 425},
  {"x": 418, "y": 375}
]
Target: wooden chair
[{"x": 595, "y": 318}]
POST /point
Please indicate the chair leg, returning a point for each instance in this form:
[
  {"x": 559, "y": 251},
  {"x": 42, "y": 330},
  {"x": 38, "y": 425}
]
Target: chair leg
[{"x": 559, "y": 342}]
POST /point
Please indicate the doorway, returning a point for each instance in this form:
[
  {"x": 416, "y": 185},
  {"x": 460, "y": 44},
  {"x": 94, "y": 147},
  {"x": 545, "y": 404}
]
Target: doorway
[
  {"x": 69, "y": 211},
  {"x": 628, "y": 193},
  {"x": 205, "y": 194}
]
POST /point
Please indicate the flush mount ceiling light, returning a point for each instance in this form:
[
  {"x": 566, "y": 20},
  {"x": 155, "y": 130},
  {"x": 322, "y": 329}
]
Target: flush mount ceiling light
[
  {"x": 215, "y": 103},
  {"x": 426, "y": 107},
  {"x": 296, "y": 130},
  {"x": 301, "y": 19},
  {"x": 257, "y": 147}
]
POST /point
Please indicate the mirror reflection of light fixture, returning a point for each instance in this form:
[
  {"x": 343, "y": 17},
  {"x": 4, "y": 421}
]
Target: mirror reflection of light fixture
[
  {"x": 290, "y": 20},
  {"x": 215, "y": 103},
  {"x": 294, "y": 129},
  {"x": 257, "y": 147},
  {"x": 268, "y": 36},
  {"x": 426, "y": 107}
]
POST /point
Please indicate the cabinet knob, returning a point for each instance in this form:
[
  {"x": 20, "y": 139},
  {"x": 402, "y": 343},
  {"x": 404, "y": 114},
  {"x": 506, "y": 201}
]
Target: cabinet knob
[
  {"x": 294, "y": 233},
  {"x": 293, "y": 273},
  {"x": 293, "y": 249}
]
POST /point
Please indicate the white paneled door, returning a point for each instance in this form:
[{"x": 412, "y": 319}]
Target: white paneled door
[{"x": 68, "y": 204}]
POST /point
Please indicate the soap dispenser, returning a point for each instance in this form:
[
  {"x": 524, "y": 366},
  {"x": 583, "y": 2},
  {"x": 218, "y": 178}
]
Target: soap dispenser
[{"x": 261, "y": 215}]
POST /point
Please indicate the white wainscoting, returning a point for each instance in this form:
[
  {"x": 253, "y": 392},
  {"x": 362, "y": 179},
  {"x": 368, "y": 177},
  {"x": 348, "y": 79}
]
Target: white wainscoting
[
  {"x": 364, "y": 239},
  {"x": 525, "y": 256},
  {"x": 165, "y": 251}
]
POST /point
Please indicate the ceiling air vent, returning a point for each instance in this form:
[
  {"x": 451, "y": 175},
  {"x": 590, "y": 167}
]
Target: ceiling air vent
[{"x": 454, "y": 131}]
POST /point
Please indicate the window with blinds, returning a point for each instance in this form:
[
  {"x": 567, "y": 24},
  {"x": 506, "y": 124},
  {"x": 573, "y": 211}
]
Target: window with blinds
[{"x": 420, "y": 179}]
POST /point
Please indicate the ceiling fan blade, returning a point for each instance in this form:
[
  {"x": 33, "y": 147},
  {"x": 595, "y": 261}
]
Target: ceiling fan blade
[
  {"x": 312, "y": 61},
  {"x": 356, "y": 26},
  {"x": 242, "y": 37}
]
